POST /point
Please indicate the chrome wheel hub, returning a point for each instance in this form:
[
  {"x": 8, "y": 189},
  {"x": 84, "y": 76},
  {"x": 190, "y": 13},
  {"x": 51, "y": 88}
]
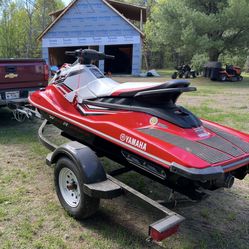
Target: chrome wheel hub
[{"x": 69, "y": 187}]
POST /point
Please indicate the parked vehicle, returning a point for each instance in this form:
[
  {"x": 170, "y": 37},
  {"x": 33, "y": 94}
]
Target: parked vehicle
[
  {"x": 140, "y": 126},
  {"x": 230, "y": 73},
  {"x": 19, "y": 78},
  {"x": 215, "y": 72},
  {"x": 184, "y": 71}
]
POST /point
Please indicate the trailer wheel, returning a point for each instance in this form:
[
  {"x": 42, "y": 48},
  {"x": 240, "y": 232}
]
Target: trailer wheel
[{"x": 69, "y": 188}]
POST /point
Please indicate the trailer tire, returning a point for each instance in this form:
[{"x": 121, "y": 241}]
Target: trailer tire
[{"x": 69, "y": 188}]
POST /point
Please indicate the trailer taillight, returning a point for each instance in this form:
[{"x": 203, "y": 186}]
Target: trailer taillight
[
  {"x": 164, "y": 228},
  {"x": 158, "y": 236},
  {"x": 46, "y": 74}
]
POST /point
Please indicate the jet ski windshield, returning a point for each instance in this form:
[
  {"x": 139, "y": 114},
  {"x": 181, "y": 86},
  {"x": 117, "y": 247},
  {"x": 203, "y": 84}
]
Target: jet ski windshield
[{"x": 87, "y": 82}]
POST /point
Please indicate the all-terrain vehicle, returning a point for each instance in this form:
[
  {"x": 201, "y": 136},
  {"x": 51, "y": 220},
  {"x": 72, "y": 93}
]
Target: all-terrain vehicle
[{"x": 184, "y": 71}]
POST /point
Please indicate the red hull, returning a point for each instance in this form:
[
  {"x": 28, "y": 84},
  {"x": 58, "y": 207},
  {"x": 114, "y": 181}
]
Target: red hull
[{"x": 123, "y": 128}]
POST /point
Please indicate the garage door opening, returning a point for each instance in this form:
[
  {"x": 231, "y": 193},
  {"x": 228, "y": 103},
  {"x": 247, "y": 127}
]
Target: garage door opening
[
  {"x": 57, "y": 56},
  {"x": 122, "y": 64}
]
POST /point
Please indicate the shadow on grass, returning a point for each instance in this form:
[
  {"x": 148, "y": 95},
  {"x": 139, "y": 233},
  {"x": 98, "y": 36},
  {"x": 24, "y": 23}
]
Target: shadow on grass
[
  {"x": 122, "y": 235},
  {"x": 6, "y": 119},
  {"x": 220, "y": 221},
  {"x": 12, "y": 131}
]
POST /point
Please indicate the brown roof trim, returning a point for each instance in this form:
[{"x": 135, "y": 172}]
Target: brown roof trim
[
  {"x": 137, "y": 29},
  {"x": 56, "y": 12},
  {"x": 127, "y": 4},
  {"x": 109, "y": 1},
  {"x": 130, "y": 11},
  {"x": 63, "y": 11}
]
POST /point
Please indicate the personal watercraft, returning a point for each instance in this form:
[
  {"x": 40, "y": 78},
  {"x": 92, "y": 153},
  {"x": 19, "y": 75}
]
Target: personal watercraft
[{"x": 140, "y": 126}]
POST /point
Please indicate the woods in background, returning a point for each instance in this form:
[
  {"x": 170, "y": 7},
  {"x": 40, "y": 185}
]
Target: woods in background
[
  {"x": 20, "y": 24},
  {"x": 201, "y": 30},
  {"x": 177, "y": 31},
  {"x": 196, "y": 31}
]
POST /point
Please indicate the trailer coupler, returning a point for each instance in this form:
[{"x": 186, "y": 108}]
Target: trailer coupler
[{"x": 22, "y": 110}]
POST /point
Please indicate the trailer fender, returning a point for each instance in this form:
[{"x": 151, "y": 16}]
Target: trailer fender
[{"x": 85, "y": 159}]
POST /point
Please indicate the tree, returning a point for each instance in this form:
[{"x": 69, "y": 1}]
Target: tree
[
  {"x": 20, "y": 24},
  {"x": 193, "y": 26},
  {"x": 43, "y": 8},
  {"x": 29, "y": 8},
  {"x": 137, "y": 2},
  {"x": 10, "y": 31}
]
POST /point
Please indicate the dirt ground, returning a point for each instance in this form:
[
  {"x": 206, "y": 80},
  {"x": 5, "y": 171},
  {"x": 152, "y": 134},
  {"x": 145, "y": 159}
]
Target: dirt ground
[{"x": 31, "y": 216}]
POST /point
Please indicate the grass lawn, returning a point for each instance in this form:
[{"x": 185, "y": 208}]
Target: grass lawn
[{"x": 31, "y": 216}]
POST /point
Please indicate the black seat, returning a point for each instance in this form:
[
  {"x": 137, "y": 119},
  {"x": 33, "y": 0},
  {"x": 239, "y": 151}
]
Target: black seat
[
  {"x": 166, "y": 85},
  {"x": 176, "y": 83}
]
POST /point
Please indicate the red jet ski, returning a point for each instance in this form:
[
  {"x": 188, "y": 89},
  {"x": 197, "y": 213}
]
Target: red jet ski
[{"x": 140, "y": 126}]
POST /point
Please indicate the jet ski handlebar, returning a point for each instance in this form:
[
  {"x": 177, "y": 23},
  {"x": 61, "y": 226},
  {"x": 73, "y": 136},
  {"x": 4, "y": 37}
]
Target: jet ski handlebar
[{"x": 86, "y": 56}]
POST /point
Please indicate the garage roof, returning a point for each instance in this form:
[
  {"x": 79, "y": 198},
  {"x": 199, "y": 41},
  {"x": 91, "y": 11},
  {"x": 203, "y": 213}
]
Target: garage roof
[
  {"x": 126, "y": 11},
  {"x": 130, "y": 11}
]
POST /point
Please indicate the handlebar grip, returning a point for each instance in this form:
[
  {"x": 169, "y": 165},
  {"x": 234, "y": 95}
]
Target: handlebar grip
[
  {"x": 88, "y": 55},
  {"x": 111, "y": 57},
  {"x": 70, "y": 53}
]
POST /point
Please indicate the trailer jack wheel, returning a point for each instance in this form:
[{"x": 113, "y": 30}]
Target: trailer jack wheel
[{"x": 69, "y": 189}]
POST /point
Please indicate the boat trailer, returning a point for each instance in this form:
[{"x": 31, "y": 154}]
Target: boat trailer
[{"x": 111, "y": 187}]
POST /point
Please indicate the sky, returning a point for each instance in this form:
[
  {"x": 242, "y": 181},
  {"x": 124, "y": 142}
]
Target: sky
[{"x": 66, "y": 1}]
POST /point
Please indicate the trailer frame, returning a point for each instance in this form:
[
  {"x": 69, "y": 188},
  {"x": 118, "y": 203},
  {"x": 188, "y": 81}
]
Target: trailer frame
[{"x": 111, "y": 187}]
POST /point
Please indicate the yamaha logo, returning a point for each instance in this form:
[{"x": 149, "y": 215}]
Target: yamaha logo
[
  {"x": 133, "y": 141},
  {"x": 122, "y": 137}
]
